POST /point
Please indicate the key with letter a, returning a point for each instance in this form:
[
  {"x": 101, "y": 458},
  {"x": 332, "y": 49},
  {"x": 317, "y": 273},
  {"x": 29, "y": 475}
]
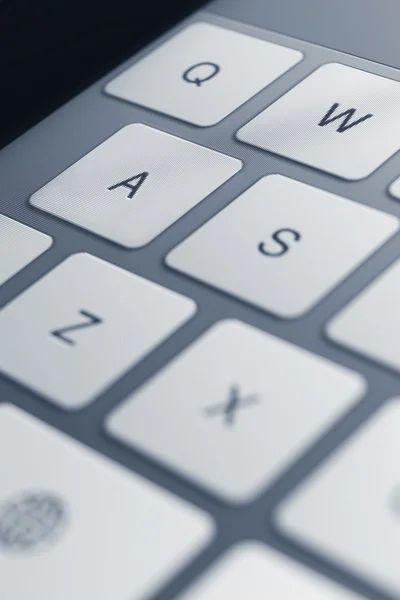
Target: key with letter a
[
  {"x": 338, "y": 120},
  {"x": 135, "y": 184}
]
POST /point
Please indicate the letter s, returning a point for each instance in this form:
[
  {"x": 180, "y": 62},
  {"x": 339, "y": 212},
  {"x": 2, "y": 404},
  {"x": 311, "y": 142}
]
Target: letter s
[{"x": 281, "y": 243}]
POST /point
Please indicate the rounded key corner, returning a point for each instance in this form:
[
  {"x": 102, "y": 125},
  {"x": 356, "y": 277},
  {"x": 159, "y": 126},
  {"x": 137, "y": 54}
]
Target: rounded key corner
[
  {"x": 32, "y": 201},
  {"x": 239, "y": 132},
  {"x": 301, "y": 54},
  {"x": 250, "y": 545},
  {"x": 235, "y": 499},
  {"x": 194, "y": 307},
  {"x": 291, "y": 315},
  {"x": 362, "y": 385},
  {"x": 352, "y": 178},
  {"x": 8, "y": 408},
  {"x": 279, "y": 521},
  {"x": 396, "y": 223},
  {"x": 107, "y": 88},
  {"x": 132, "y": 247},
  {"x": 392, "y": 403},
  {"x": 238, "y": 160},
  {"x": 50, "y": 241},
  {"x": 295, "y": 314},
  {"x": 105, "y": 91},
  {"x": 211, "y": 527},
  {"x": 204, "y": 24},
  {"x": 225, "y": 324},
  {"x": 76, "y": 406},
  {"x": 108, "y": 423},
  {"x": 246, "y": 548},
  {"x": 130, "y": 126},
  {"x": 81, "y": 254},
  {"x": 198, "y": 123},
  {"x": 355, "y": 178},
  {"x": 167, "y": 259},
  {"x": 230, "y": 322},
  {"x": 330, "y": 64},
  {"x": 245, "y": 498},
  {"x": 328, "y": 330},
  {"x": 390, "y": 189},
  {"x": 63, "y": 405}
]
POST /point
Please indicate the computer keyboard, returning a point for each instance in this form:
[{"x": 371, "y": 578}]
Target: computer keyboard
[{"x": 199, "y": 329}]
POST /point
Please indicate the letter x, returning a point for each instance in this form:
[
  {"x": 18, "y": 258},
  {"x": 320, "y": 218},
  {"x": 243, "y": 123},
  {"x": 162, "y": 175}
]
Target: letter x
[{"x": 229, "y": 408}]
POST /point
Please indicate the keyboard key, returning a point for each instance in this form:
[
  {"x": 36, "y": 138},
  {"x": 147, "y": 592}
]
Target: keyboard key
[
  {"x": 283, "y": 245},
  {"x": 73, "y": 333},
  {"x": 251, "y": 570},
  {"x": 135, "y": 184},
  {"x": 19, "y": 245},
  {"x": 350, "y": 508},
  {"x": 340, "y": 120},
  {"x": 74, "y": 525},
  {"x": 194, "y": 76},
  {"x": 370, "y": 324},
  {"x": 245, "y": 403}
]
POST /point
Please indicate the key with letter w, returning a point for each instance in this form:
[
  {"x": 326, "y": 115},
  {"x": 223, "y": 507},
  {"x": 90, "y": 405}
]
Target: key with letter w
[{"x": 345, "y": 116}]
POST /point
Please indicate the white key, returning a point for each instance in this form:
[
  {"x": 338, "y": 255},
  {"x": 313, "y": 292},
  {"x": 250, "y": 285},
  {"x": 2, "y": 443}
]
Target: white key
[
  {"x": 243, "y": 402},
  {"x": 203, "y": 73},
  {"x": 78, "y": 329},
  {"x": 283, "y": 245},
  {"x": 19, "y": 245},
  {"x": 77, "y": 526},
  {"x": 340, "y": 120},
  {"x": 135, "y": 184},
  {"x": 370, "y": 324},
  {"x": 251, "y": 570},
  {"x": 350, "y": 508}
]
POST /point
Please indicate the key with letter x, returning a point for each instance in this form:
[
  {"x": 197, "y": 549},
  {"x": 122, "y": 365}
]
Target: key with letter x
[
  {"x": 263, "y": 397},
  {"x": 229, "y": 408}
]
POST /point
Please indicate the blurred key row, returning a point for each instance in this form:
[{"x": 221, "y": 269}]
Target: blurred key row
[{"x": 79, "y": 526}]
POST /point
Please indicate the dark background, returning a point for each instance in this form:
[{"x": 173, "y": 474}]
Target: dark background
[{"x": 52, "y": 49}]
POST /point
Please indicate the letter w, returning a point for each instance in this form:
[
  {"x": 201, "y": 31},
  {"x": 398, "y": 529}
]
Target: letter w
[{"x": 346, "y": 117}]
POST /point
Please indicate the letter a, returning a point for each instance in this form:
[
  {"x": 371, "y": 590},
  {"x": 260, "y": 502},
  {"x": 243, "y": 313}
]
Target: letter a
[{"x": 138, "y": 179}]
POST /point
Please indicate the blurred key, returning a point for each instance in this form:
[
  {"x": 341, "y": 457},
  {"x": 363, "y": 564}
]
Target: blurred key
[{"x": 74, "y": 525}]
